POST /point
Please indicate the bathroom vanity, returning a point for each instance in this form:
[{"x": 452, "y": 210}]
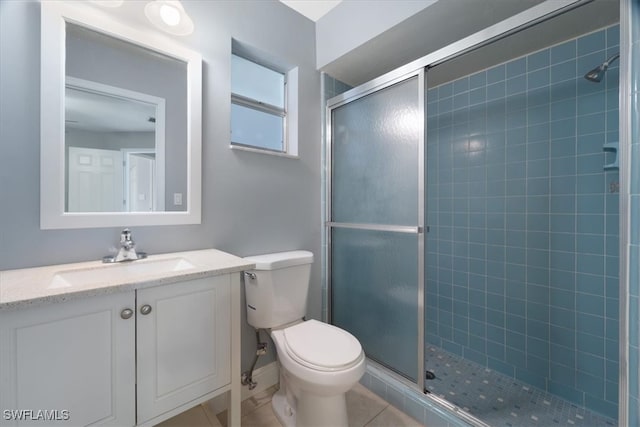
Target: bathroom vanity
[{"x": 123, "y": 344}]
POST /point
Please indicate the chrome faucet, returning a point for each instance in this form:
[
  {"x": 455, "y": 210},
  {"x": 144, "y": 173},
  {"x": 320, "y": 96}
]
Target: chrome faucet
[{"x": 127, "y": 250}]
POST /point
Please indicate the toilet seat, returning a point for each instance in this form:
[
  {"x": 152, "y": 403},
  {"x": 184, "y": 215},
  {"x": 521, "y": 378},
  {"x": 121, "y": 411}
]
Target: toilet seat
[{"x": 322, "y": 347}]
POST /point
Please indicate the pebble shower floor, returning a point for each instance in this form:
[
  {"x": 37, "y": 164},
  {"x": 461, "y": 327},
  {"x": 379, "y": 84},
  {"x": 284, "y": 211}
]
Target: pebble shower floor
[{"x": 499, "y": 400}]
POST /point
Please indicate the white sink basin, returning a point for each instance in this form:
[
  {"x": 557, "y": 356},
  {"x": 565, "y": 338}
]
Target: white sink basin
[{"x": 119, "y": 272}]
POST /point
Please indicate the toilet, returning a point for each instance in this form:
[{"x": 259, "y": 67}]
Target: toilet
[{"x": 318, "y": 362}]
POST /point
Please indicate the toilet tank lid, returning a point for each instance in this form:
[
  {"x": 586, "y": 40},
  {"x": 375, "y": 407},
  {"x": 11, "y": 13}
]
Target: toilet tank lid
[{"x": 280, "y": 260}]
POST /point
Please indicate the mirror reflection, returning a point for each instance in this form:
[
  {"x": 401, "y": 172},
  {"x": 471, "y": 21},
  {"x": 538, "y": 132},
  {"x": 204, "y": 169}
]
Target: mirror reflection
[
  {"x": 111, "y": 143},
  {"x": 125, "y": 126}
]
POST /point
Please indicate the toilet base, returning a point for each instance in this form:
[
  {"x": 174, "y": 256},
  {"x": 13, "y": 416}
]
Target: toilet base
[
  {"x": 322, "y": 411},
  {"x": 281, "y": 408},
  {"x": 310, "y": 410}
]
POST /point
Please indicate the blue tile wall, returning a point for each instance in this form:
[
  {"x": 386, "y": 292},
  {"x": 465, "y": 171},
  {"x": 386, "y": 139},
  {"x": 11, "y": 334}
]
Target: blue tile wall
[
  {"x": 634, "y": 238},
  {"x": 522, "y": 252},
  {"x": 333, "y": 87}
]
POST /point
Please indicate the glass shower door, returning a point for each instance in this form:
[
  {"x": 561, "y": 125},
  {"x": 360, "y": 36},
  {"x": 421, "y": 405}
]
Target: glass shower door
[{"x": 376, "y": 207}]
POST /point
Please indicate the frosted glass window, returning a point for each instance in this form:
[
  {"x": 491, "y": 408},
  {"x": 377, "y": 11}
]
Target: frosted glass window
[
  {"x": 254, "y": 128},
  {"x": 254, "y": 81},
  {"x": 258, "y": 110}
]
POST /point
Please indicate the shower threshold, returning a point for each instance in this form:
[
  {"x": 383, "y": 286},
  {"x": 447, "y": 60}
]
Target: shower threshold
[{"x": 499, "y": 400}]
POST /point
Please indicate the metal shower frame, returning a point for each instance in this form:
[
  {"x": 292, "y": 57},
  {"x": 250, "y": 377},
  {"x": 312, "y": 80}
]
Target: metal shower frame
[{"x": 418, "y": 230}]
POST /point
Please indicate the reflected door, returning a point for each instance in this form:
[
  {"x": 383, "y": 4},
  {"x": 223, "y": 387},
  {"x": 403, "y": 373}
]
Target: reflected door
[
  {"x": 376, "y": 210},
  {"x": 95, "y": 180},
  {"x": 139, "y": 186}
]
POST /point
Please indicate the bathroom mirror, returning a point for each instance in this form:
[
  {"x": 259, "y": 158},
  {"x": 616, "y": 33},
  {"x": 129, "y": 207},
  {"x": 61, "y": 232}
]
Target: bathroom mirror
[{"x": 120, "y": 122}]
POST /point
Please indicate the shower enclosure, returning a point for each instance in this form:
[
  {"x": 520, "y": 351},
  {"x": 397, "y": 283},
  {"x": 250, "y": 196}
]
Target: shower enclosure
[{"x": 472, "y": 218}]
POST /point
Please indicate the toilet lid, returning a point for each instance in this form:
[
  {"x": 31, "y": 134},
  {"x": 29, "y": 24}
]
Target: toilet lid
[{"x": 321, "y": 346}]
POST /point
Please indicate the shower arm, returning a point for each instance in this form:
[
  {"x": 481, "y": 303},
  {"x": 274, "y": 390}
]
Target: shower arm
[{"x": 611, "y": 59}]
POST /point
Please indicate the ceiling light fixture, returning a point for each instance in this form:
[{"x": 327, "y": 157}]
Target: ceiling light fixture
[
  {"x": 108, "y": 3},
  {"x": 169, "y": 16}
]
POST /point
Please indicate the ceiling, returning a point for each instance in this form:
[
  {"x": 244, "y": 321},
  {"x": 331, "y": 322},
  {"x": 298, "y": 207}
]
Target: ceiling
[
  {"x": 312, "y": 9},
  {"x": 448, "y": 21},
  {"x": 97, "y": 112}
]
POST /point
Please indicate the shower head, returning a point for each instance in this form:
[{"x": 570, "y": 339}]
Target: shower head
[{"x": 597, "y": 73}]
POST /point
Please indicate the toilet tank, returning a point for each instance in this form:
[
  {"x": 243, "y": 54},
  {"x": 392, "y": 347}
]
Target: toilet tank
[{"x": 276, "y": 289}]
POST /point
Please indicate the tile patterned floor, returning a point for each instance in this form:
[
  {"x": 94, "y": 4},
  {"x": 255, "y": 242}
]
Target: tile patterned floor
[
  {"x": 499, "y": 400},
  {"x": 365, "y": 410}
]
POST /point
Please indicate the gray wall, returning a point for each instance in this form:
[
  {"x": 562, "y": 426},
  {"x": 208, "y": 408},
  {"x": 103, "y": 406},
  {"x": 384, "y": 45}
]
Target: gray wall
[{"x": 252, "y": 203}]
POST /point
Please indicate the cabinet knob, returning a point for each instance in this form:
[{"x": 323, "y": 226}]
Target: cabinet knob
[
  {"x": 145, "y": 309},
  {"x": 126, "y": 313}
]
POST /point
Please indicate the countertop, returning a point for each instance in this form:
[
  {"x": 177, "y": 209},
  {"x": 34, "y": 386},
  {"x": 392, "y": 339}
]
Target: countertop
[{"x": 42, "y": 285}]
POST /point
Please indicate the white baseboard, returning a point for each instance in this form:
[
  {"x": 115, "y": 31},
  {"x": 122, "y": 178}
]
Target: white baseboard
[{"x": 265, "y": 377}]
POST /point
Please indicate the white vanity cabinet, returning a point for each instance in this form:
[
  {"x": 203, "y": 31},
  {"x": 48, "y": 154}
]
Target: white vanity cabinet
[
  {"x": 135, "y": 355},
  {"x": 76, "y": 358},
  {"x": 183, "y": 343}
]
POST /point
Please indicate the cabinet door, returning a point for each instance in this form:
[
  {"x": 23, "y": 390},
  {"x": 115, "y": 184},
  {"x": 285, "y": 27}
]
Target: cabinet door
[
  {"x": 183, "y": 343},
  {"x": 74, "y": 359}
]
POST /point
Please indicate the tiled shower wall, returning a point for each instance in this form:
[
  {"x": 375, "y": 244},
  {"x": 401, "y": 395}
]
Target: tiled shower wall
[{"x": 522, "y": 248}]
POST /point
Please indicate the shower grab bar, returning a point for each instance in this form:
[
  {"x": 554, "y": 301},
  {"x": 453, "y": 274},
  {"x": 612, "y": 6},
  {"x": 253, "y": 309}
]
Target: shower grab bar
[{"x": 377, "y": 227}]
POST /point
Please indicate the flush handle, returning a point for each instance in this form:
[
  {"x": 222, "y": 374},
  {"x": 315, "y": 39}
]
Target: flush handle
[
  {"x": 126, "y": 313},
  {"x": 251, "y": 276},
  {"x": 145, "y": 309}
]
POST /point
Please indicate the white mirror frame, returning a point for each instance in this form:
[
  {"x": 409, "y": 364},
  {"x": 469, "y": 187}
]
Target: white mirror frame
[{"x": 54, "y": 15}]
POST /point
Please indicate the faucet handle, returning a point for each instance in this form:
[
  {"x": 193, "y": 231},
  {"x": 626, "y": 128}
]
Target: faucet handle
[
  {"x": 127, "y": 251},
  {"x": 125, "y": 239}
]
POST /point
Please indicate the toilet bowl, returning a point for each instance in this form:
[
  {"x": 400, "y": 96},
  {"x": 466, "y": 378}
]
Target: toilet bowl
[{"x": 318, "y": 362}]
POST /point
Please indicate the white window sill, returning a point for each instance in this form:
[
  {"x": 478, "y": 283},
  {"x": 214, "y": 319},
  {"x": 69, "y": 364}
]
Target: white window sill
[{"x": 259, "y": 151}]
